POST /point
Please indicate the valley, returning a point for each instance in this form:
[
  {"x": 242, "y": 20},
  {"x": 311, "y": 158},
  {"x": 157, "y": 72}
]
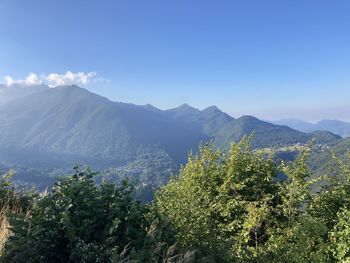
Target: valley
[{"x": 47, "y": 131}]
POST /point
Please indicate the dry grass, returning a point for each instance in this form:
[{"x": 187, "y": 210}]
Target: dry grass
[
  {"x": 10, "y": 201},
  {"x": 4, "y": 231},
  {"x": 4, "y": 224}
]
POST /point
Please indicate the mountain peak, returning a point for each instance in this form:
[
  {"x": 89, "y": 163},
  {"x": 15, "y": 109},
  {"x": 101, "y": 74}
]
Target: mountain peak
[
  {"x": 68, "y": 87},
  {"x": 212, "y": 108},
  {"x": 185, "y": 108},
  {"x": 151, "y": 107},
  {"x": 248, "y": 117}
]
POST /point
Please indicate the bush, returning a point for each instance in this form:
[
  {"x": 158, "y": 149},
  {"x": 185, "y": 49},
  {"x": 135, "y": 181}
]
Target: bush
[
  {"x": 78, "y": 222},
  {"x": 231, "y": 205},
  {"x": 222, "y": 207},
  {"x": 222, "y": 203}
]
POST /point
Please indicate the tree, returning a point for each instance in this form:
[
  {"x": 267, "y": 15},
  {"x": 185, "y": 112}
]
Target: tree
[
  {"x": 222, "y": 203},
  {"x": 340, "y": 237},
  {"x": 78, "y": 222}
]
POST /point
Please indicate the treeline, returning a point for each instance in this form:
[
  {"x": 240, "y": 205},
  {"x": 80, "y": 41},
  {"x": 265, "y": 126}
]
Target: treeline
[{"x": 221, "y": 207}]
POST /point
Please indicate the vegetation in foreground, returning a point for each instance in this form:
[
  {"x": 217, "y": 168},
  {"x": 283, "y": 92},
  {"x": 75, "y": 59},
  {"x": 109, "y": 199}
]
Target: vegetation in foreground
[{"x": 222, "y": 207}]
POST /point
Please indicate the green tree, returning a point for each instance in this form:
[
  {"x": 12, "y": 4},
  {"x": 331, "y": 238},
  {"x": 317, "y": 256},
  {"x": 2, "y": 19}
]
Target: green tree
[
  {"x": 222, "y": 203},
  {"x": 331, "y": 206},
  {"x": 340, "y": 237},
  {"x": 78, "y": 222},
  {"x": 296, "y": 236}
]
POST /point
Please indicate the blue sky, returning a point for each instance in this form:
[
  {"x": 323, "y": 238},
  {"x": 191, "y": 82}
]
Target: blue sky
[{"x": 272, "y": 59}]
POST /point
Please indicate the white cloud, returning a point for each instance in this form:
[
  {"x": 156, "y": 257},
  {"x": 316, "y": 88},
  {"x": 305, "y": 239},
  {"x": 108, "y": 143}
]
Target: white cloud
[
  {"x": 31, "y": 79},
  {"x": 70, "y": 78},
  {"x": 9, "y": 81},
  {"x": 54, "y": 79}
]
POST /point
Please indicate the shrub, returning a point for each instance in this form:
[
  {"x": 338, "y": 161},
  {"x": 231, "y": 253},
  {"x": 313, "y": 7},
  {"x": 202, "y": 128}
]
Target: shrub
[{"x": 78, "y": 222}]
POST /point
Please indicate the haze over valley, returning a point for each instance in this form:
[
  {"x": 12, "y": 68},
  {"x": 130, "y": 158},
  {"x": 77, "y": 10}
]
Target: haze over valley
[
  {"x": 53, "y": 128},
  {"x": 187, "y": 131}
]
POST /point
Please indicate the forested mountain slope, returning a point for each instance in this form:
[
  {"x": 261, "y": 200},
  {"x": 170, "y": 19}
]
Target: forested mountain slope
[
  {"x": 74, "y": 122},
  {"x": 57, "y": 127}
]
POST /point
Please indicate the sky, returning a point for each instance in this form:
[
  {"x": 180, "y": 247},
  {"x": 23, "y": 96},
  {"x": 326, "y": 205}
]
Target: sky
[{"x": 273, "y": 59}]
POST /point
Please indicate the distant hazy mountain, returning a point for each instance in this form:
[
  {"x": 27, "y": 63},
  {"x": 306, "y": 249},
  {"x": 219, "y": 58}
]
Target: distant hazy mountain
[
  {"x": 56, "y": 127},
  {"x": 335, "y": 126},
  {"x": 338, "y": 127},
  {"x": 296, "y": 124},
  {"x": 8, "y": 93}
]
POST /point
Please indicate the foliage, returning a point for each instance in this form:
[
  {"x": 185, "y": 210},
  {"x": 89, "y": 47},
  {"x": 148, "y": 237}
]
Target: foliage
[
  {"x": 222, "y": 203},
  {"x": 340, "y": 236},
  {"x": 234, "y": 206},
  {"x": 222, "y": 207},
  {"x": 77, "y": 222},
  {"x": 70, "y": 124}
]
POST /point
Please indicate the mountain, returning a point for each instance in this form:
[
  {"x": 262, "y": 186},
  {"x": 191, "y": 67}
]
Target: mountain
[
  {"x": 68, "y": 124},
  {"x": 210, "y": 120},
  {"x": 265, "y": 134},
  {"x": 54, "y": 128},
  {"x": 324, "y": 137},
  {"x": 184, "y": 111},
  {"x": 8, "y": 93},
  {"x": 151, "y": 108},
  {"x": 296, "y": 124},
  {"x": 321, "y": 158},
  {"x": 340, "y": 128},
  {"x": 268, "y": 135}
]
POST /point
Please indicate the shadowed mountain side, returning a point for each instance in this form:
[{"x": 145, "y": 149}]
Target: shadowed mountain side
[
  {"x": 267, "y": 134},
  {"x": 73, "y": 121},
  {"x": 210, "y": 120},
  {"x": 60, "y": 126}
]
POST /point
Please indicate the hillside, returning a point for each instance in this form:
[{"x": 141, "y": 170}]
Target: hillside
[
  {"x": 69, "y": 124},
  {"x": 55, "y": 128},
  {"x": 265, "y": 134},
  {"x": 210, "y": 120},
  {"x": 338, "y": 127},
  {"x": 16, "y": 91},
  {"x": 321, "y": 157}
]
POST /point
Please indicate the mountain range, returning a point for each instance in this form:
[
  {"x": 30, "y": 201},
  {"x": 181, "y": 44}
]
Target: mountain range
[
  {"x": 56, "y": 127},
  {"x": 338, "y": 127}
]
